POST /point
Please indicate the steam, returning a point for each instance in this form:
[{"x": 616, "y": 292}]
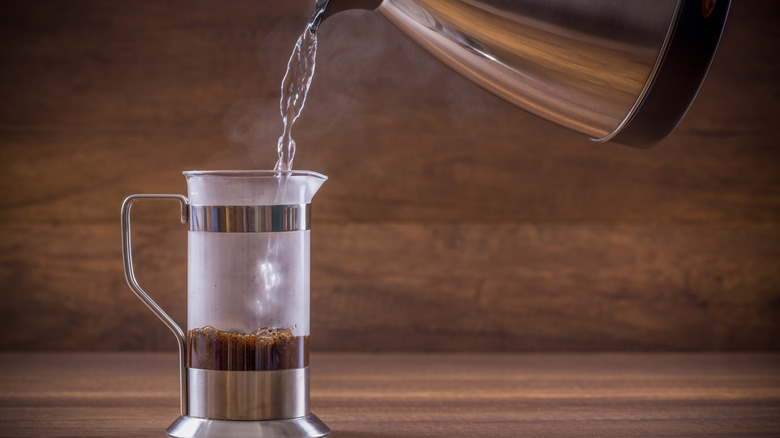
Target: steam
[{"x": 367, "y": 71}]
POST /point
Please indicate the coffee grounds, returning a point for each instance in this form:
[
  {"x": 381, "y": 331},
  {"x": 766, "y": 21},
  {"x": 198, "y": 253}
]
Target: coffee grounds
[{"x": 266, "y": 349}]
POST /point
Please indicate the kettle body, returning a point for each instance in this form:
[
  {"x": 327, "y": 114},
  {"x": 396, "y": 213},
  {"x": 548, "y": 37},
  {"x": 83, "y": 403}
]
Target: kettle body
[{"x": 620, "y": 70}]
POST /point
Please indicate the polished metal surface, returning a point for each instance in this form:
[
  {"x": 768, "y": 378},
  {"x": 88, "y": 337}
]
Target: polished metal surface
[
  {"x": 250, "y": 219},
  {"x": 583, "y": 64},
  {"x": 302, "y": 427},
  {"x": 325, "y": 8},
  {"x": 127, "y": 258},
  {"x": 248, "y": 395}
]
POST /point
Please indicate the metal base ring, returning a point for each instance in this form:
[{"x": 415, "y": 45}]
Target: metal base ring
[{"x": 301, "y": 427}]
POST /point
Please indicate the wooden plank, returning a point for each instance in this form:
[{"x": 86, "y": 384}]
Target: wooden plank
[
  {"x": 436, "y": 287},
  {"x": 102, "y": 102},
  {"x": 551, "y": 287},
  {"x": 406, "y": 395}
]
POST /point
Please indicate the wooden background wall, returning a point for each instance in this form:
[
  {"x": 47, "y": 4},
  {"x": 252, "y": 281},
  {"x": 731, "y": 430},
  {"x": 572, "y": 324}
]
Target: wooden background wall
[{"x": 451, "y": 220}]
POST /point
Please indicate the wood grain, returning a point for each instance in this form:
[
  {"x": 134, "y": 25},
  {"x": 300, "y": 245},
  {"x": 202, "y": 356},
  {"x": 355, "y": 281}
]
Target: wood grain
[
  {"x": 432, "y": 287},
  {"x": 451, "y": 221},
  {"x": 130, "y": 103},
  {"x": 412, "y": 395}
]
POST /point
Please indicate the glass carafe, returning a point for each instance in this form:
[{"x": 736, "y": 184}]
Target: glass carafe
[{"x": 245, "y": 355}]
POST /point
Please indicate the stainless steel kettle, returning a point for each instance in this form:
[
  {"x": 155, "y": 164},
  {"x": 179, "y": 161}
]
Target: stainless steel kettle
[{"x": 620, "y": 70}]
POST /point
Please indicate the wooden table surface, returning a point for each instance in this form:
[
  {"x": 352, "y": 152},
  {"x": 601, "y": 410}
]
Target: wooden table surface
[{"x": 412, "y": 395}]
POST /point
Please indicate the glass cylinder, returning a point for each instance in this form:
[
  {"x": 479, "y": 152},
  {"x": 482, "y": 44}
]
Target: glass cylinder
[{"x": 248, "y": 269}]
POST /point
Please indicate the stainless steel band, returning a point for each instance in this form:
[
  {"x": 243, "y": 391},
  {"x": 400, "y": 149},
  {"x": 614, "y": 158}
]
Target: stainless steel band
[
  {"x": 248, "y": 395},
  {"x": 250, "y": 218}
]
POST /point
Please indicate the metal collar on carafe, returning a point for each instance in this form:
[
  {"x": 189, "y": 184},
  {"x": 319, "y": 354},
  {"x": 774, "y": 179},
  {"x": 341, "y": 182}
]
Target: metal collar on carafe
[{"x": 616, "y": 70}]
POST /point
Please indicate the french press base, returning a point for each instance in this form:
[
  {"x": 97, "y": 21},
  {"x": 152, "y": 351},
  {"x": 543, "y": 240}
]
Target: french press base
[
  {"x": 192, "y": 427},
  {"x": 248, "y": 404}
]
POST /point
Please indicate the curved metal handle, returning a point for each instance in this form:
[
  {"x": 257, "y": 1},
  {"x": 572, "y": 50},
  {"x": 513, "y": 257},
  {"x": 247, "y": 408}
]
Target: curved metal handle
[{"x": 127, "y": 258}]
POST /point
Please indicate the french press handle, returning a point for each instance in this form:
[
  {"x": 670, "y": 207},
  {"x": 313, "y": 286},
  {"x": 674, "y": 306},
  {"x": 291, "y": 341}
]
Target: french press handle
[{"x": 127, "y": 258}]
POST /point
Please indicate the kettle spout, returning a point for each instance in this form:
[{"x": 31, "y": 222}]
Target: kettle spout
[{"x": 326, "y": 8}]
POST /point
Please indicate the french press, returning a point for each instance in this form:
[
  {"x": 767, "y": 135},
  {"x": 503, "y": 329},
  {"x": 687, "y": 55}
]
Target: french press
[{"x": 244, "y": 359}]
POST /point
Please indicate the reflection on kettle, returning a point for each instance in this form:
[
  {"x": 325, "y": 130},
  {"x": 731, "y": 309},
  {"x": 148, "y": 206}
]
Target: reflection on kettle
[{"x": 620, "y": 70}]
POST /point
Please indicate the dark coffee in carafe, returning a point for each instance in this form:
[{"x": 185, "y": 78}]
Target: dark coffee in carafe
[{"x": 266, "y": 349}]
